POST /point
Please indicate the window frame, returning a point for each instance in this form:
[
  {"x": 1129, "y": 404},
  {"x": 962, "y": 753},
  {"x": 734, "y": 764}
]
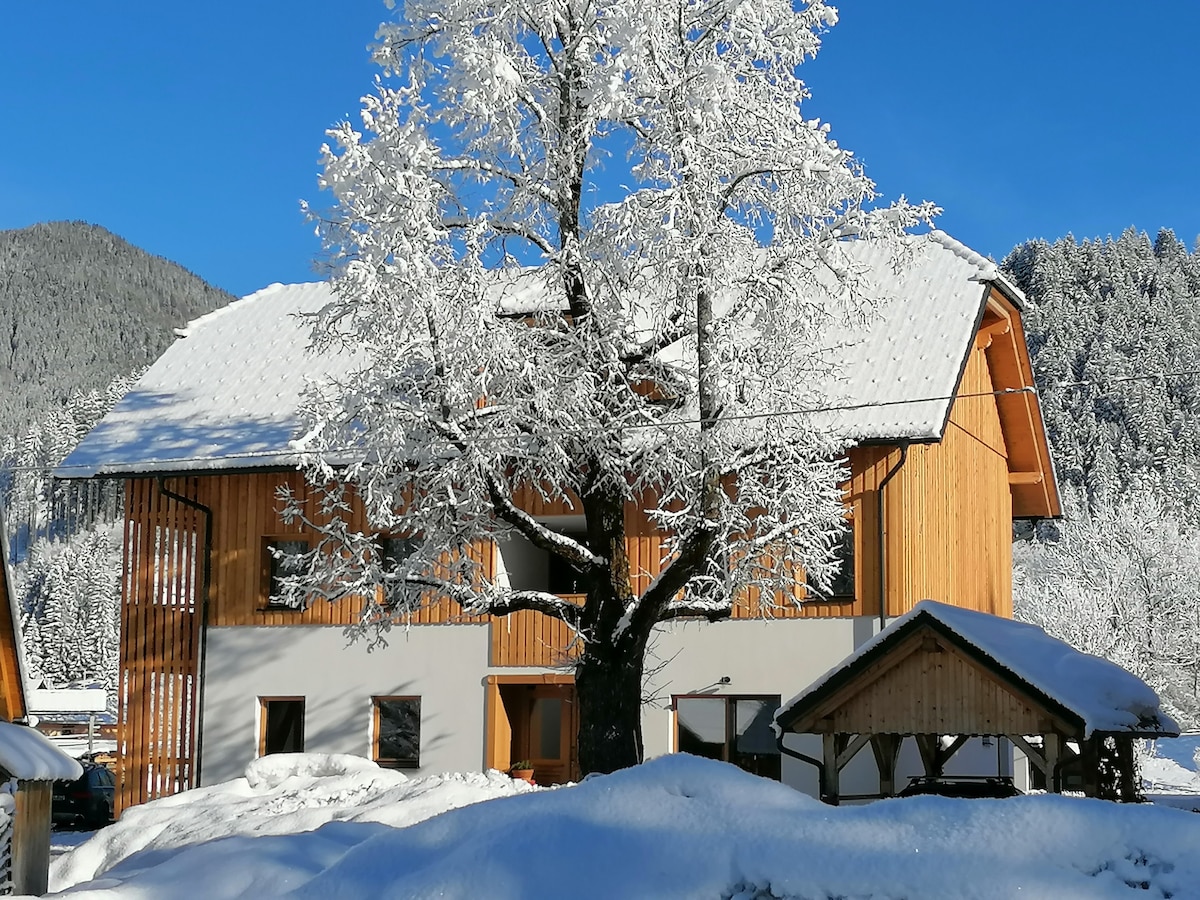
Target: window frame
[
  {"x": 388, "y": 589},
  {"x": 729, "y": 745},
  {"x": 268, "y": 573},
  {"x": 263, "y": 703},
  {"x": 847, "y": 553},
  {"x": 391, "y": 763}
]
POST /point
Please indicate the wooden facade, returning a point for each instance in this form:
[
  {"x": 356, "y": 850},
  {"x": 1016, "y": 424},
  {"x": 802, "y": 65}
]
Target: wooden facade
[
  {"x": 931, "y": 520},
  {"x": 12, "y": 685}
]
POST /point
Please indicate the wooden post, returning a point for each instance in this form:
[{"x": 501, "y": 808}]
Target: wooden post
[
  {"x": 31, "y": 838},
  {"x": 886, "y": 748},
  {"x": 927, "y": 744},
  {"x": 830, "y": 780},
  {"x": 1050, "y": 746}
]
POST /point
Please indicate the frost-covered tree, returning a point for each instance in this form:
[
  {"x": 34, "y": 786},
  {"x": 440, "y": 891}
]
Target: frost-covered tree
[
  {"x": 1122, "y": 582},
  {"x": 589, "y": 248},
  {"x": 1102, "y": 316},
  {"x": 69, "y": 594}
]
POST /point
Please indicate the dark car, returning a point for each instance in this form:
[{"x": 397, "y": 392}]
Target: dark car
[
  {"x": 87, "y": 801},
  {"x": 967, "y": 786}
]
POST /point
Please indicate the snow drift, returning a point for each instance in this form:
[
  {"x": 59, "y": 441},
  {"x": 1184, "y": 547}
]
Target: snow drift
[{"x": 678, "y": 826}]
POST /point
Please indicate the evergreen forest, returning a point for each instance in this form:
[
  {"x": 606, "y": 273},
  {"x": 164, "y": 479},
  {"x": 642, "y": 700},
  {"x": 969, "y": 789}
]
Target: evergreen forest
[
  {"x": 1113, "y": 328},
  {"x": 83, "y": 312}
]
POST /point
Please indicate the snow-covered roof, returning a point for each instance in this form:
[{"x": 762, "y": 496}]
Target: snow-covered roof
[
  {"x": 29, "y": 756},
  {"x": 1104, "y": 696},
  {"x": 226, "y": 395},
  {"x": 914, "y": 346}
]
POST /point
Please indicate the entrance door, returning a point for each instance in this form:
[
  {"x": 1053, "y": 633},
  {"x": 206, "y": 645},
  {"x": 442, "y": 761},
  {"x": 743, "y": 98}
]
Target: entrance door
[{"x": 545, "y": 723}]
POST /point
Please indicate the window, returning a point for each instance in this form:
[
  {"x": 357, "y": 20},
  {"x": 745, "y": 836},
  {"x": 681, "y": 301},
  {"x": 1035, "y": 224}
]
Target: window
[
  {"x": 282, "y": 558},
  {"x": 729, "y": 728},
  {"x": 396, "y": 732},
  {"x": 281, "y": 725},
  {"x": 561, "y": 576},
  {"x": 843, "y": 584},
  {"x": 392, "y": 552}
]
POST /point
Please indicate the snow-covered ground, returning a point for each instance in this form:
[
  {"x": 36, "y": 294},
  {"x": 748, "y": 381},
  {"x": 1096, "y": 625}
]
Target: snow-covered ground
[
  {"x": 678, "y": 826},
  {"x": 1170, "y": 772}
]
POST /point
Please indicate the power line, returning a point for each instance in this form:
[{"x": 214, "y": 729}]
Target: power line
[
  {"x": 635, "y": 426},
  {"x": 250, "y": 456}
]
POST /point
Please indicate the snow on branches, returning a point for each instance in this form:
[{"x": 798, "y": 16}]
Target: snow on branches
[{"x": 593, "y": 248}]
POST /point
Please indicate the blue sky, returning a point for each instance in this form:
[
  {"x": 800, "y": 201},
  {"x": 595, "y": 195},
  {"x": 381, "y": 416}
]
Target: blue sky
[{"x": 192, "y": 130}]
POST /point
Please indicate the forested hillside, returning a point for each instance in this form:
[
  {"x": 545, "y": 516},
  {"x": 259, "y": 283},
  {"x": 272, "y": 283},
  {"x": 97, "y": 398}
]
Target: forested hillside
[
  {"x": 1114, "y": 331},
  {"x": 1104, "y": 315},
  {"x": 82, "y": 312},
  {"x": 79, "y": 307}
]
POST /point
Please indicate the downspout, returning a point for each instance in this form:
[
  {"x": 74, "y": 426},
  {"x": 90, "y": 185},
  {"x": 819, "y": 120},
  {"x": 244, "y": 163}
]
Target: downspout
[
  {"x": 883, "y": 582},
  {"x": 205, "y": 581},
  {"x": 803, "y": 757}
]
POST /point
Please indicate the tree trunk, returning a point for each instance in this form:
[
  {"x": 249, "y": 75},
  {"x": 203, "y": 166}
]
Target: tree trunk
[{"x": 608, "y": 688}]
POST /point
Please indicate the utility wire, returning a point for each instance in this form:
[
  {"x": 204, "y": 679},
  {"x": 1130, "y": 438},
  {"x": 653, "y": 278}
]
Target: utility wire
[
  {"x": 637, "y": 426},
  {"x": 562, "y": 432}
]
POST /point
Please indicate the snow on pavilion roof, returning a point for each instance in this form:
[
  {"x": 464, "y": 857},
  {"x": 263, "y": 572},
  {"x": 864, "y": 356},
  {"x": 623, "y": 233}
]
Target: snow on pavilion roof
[
  {"x": 226, "y": 395},
  {"x": 1105, "y": 697}
]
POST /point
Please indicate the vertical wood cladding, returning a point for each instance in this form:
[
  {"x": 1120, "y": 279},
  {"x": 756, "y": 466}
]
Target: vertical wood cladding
[
  {"x": 949, "y": 510},
  {"x": 946, "y": 528}
]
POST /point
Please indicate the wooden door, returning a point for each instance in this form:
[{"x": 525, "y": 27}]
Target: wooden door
[{"x": 545, "y": 727}]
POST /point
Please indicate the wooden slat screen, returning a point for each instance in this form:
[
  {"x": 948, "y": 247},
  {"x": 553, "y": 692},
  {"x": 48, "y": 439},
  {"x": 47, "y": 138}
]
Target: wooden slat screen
[{"x": 160, "y": 636}]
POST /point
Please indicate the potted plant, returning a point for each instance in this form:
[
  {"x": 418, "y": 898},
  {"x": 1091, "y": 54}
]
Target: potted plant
[{"x": 522, "y": 769}]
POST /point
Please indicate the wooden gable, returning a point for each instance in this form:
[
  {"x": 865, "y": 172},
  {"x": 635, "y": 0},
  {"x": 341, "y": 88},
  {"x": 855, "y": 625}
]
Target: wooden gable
[
  {"x": 1030, "y": 470},
  {"x": 925, "y": 680}
]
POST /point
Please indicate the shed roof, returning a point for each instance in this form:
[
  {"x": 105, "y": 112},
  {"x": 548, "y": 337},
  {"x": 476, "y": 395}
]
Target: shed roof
[
  {"x": 29, "y": 756},
  {"x": 227, "y": 394},
  {"x": 1098, "y": 695}
]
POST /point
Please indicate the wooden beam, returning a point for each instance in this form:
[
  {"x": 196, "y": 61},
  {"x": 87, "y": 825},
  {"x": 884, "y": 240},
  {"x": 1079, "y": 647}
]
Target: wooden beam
[
  {"x": 851, "y": 750},
  {"x": 886, "y": 748},
  {"x": 927, "y": 744},
  {"x": 945, "y": 753},
  {"x": 1032, "y": 753},
  {"x": 1053, "y": 779},
  {"x": 1025, "y": 477}
]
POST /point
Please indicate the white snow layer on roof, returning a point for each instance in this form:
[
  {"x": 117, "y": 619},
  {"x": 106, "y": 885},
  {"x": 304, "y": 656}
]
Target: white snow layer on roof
[
  {"x": 226, "y": 395},
  {"x": 27, "y": 755},
  {"x": 675, "y": 827},
  {"x": 1105, "y": 696}
]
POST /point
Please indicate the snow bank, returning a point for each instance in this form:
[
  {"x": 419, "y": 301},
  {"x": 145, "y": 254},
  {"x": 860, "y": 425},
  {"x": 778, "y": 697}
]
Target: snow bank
[
  {"x": 284, "y": 794},
  {"x": 681, "y": 826}
]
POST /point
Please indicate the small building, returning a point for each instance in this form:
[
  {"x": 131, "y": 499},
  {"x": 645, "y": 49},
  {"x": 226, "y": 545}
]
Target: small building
[
  {"x": 34, "y": 764},
  {"x": 29, "y": 763},
  {"x": 940, "y": 675}
]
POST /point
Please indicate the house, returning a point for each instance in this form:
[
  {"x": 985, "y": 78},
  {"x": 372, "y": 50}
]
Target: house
[{"x": 950, "y": 450}]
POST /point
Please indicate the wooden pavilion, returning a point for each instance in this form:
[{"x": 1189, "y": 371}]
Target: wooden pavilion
[{"x": 942, "y": 675}]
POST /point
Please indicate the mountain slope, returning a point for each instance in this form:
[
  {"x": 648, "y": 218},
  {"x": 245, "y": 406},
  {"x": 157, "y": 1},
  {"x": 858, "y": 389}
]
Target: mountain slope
[{"x": 80, "y": 306}]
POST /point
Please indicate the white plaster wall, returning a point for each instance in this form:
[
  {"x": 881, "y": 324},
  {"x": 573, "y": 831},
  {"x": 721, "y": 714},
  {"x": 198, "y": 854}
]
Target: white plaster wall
[
  {"x": 446, "y": 665},
  {"x": 781, "y": 656}
]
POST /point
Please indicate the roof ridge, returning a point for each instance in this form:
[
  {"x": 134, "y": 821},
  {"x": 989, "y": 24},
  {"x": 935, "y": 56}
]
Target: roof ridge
[
  {"x": 236, "y": 303},
  {"x": 988, "y": 270}
]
